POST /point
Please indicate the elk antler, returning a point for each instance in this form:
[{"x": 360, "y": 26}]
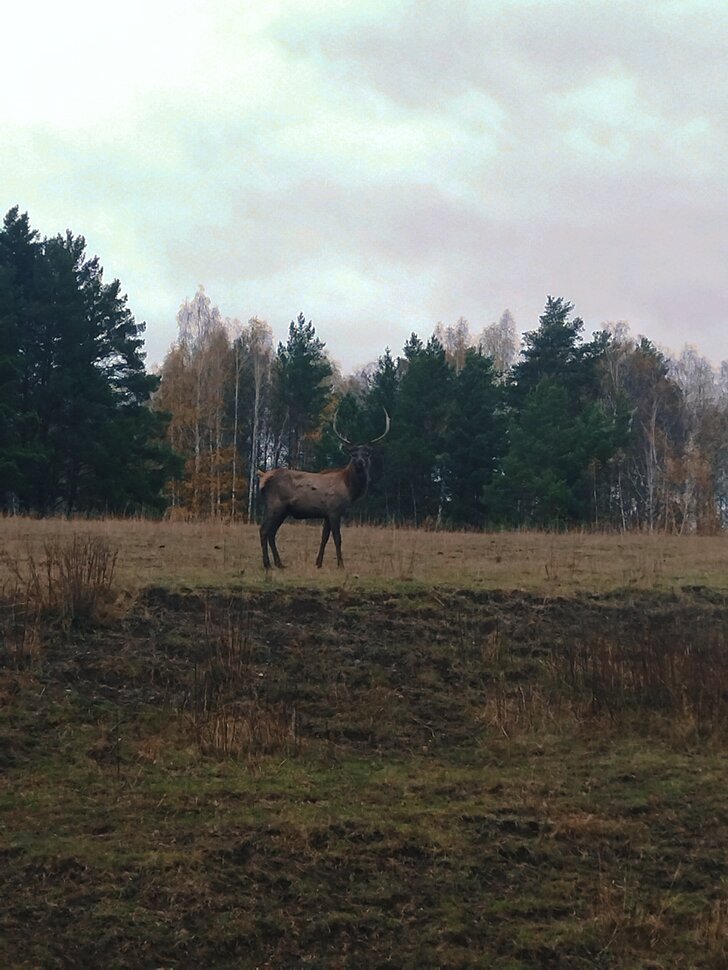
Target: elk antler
[
  {"x": 336, "y": 430},
  {"x": 386, "y": 430},
  {"x": 346, "y": 441}
]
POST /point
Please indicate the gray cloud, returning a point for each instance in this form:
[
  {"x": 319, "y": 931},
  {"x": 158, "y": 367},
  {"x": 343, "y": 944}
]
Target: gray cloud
[{"x": 383, "y": 167}]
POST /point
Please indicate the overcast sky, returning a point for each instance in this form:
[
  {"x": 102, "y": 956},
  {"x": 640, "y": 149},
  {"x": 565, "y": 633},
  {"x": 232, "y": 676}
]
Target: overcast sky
[{"x": 381, "y": 165}]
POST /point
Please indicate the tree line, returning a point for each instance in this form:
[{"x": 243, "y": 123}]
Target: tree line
[{"x": 487, "y": 430}]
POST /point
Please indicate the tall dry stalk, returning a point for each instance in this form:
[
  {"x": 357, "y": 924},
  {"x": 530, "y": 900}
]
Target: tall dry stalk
[
  {"x": 20, "y": 624},
  {"x": 227, "y": 706},
  {"x": 70, "y": 582}
]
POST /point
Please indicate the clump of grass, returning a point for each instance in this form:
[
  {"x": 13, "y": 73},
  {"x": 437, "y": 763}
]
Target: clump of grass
[
  {"x": 525, "y": 709},
  {"x": 68, "y": 585},
  {"x": 678, "y": 672},
  {"x": 712, "y": 931},
  {"x": 230, "y": 715},
  {"x": 20, "y": 625},
  {"x": 247, "y": 729},
  {"x": 666, "y": 672}
]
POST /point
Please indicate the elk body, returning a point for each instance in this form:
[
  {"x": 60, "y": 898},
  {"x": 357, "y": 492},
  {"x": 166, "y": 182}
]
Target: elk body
[{"x": 323, "y": 495}]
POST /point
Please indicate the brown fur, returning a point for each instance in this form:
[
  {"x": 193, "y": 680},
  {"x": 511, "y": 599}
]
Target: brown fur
[{"x": 323, "y": 495}]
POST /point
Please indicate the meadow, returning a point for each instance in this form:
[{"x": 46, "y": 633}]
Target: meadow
[
  {"x": 220, "y": 555},
  {"x": 464, "y": 750}
]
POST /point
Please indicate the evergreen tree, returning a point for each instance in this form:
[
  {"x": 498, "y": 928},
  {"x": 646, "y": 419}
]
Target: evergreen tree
[
  {"x": 361, "y": 418},
  {"x": 83, "y": 435},
  {"x": 383, "y": 392},
  {"x": 328, "y": 451},
  {"x": 383, "y": 395},
  {"x": 561, "y": 435},
  {"x": 20, "y": 252},
  {"x": 416, "y": 454},
  {"x": 554, "y": 453},
  {"x": 476, "y": 439},
  {"x": 301, "y": 390},
  {"x": 556, "y": 352}
]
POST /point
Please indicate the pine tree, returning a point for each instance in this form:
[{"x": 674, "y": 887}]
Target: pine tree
[
  {"x": 416, "y": 451},
  {"x": 476, "y": 439},
  {"x": 20, "y": 253},
  {"x": 83, "y": 435},
  {"x": 548, "y": 471},
  {"x": 301, "y": 389},
  {"x": 555, "y": 351},
  {"x": 561, "y": 436}
]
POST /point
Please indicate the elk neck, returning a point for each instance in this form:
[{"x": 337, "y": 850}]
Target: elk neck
[{"x": 356, "y": 477}]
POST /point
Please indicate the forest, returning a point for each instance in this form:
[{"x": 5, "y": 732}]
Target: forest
[
  {"x": 606, "y": 432},
  {"x": 488, "y": 429}
]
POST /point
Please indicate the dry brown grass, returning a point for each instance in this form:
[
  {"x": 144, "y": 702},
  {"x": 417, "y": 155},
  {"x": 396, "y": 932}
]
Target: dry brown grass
[
  {"x": 712, "y": 931},
  {"x": 216, "y": 554},
  {"x": 57, "y": 583}
]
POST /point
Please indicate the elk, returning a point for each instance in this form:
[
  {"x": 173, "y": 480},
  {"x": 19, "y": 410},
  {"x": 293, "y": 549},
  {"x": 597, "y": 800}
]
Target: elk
[{"x": 323, "y": 495}]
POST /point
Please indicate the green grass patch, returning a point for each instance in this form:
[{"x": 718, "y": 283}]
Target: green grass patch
[{"x": 429, "y": 779}]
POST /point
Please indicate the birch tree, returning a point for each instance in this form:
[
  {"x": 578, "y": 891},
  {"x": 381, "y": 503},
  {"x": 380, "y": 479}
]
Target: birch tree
[
  {"x": 500, "y": 342},
  {"x": 256, "y": 349}
]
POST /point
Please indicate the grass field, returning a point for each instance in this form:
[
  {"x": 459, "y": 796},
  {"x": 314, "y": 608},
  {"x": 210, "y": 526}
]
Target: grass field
[
  {"x": 497, "y": 750},
  {"x": 199, "y": 554}
]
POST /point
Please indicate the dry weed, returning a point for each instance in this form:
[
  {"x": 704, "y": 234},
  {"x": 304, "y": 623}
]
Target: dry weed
[
  {"x": 675, "y": 671},
  {"x": 67, "y": 583},
  {"x": 712, "y": 931},
  {"x": 247, "y": 729},
  {"x": 20, "y": 624},
  {"x": 523, "y": 709},
  {"x": 228, "y": 715}
]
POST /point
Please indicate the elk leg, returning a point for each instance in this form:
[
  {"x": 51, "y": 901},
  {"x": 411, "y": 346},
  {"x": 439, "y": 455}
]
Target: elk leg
[
  {"x": 336, "y": 530},
  {"x": 268, "y": 531},
  {"x": 264, "y": 547},
  {"x": 324, "y": 539},
  {"x": 272, "y": 541}
]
